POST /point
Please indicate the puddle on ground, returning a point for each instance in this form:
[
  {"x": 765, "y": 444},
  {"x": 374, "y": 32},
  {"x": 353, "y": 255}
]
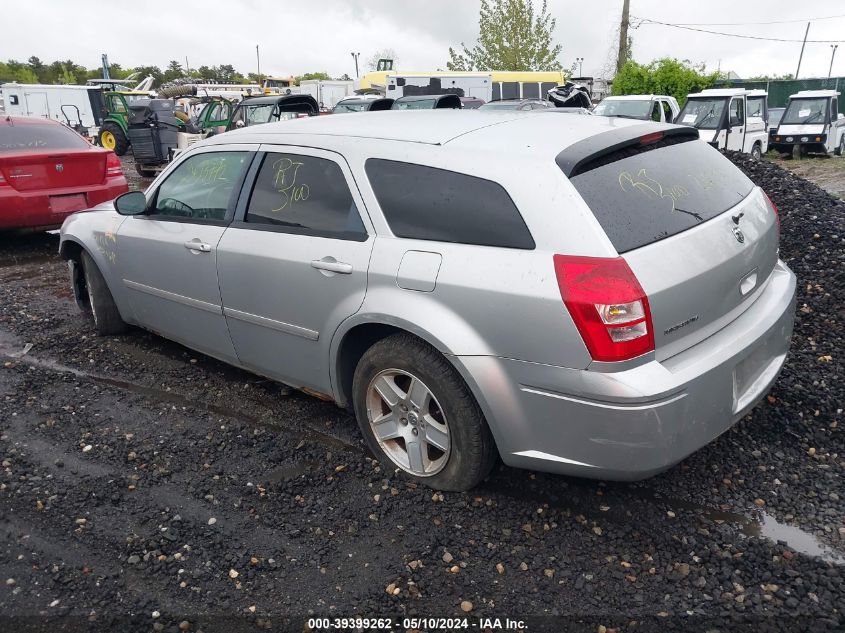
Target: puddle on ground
[
  {"x": 796, "y": 538},
  {"x": 160, "y": 395}
]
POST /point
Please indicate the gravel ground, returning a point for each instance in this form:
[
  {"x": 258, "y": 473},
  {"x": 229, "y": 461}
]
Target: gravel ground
[
  {"x": 145, "y": 487},
  {"x": 828, "y": 172}
]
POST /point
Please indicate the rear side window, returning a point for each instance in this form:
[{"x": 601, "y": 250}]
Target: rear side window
[
  {"x": 46, "y": 136},
  {"x": 646, "y": 196},
  {"x": 426, "y": 203},
  {"x": 305, "y": 195}
]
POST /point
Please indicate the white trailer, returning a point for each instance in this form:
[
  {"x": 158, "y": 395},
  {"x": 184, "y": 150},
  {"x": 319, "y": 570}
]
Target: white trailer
[
  {"x": 80, "y": 107},
  {"x": 811, "y": 123},
  {"x": 326, "y": 92},
  {"x": 729, "y": 118},
  {"x": 478, "y": 85}
]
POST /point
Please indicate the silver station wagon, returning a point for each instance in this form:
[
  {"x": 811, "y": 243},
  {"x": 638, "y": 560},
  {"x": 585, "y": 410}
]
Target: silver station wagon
[{"x": 583, "y": 295}]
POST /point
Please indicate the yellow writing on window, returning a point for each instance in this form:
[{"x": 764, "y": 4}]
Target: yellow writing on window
[
  {"x": 651, "y": 188},
  {"x": 284, "y": 181}
]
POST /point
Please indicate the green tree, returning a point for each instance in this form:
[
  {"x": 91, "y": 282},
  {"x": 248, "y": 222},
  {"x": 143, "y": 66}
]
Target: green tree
[
  {"x": 665, "y": 76},
  {"x": 320, "y": 75},
  {"x": 173, "y": 71},
  {"x": 67, "y": 76},
  {"x": 25, "y": 75},
  {"x": 512, "y": 36},
  {"x": 785, "y": 77}
]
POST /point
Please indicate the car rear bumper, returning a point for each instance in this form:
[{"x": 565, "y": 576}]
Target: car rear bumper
[
  {"x": 30, "y": 209},
  {"x": 635, "y": 423}
]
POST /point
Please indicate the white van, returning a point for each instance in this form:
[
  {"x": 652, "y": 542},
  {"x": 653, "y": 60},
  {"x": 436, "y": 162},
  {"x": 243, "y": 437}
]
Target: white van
[
  {"x": 80, "y": 107},
  {"x": 658, "y": 108},
  {"x": 729, "y": 118}
]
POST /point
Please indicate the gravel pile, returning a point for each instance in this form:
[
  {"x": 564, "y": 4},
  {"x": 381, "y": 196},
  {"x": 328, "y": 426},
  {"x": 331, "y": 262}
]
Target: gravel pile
[{"x": 146, "y": 487}]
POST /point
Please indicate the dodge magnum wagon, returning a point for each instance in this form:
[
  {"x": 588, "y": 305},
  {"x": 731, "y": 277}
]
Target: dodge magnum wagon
[{"x": 592, "y": 296}]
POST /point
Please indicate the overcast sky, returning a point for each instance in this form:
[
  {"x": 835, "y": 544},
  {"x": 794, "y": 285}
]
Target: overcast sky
[{"x": 298, "y": 36}]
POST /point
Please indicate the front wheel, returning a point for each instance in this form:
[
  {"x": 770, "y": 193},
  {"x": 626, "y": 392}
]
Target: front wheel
[
  {"x": 757, "y": 151},
  {"x": 107, "y": 319},
  {"x": 417, "y": 414}
]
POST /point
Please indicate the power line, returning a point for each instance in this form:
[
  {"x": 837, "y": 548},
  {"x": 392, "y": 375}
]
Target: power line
[
  {"x": 801, "y": 20},
  {"x": 746, "y": 37}
]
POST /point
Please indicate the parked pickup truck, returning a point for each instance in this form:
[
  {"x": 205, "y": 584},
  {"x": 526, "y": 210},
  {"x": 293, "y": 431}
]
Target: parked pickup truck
[
  {"x": 811, "y": 123},
  {"x": 729, "y": 118},
  {"x": 657, "y": 108}
]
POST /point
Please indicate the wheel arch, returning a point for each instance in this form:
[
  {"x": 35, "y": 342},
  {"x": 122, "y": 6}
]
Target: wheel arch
[{"x": 356, "y": 336}]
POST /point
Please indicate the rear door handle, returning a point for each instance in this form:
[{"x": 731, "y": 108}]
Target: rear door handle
[
  {"x": 330, "y": 264},
  {"x": 198, "y": 247}
]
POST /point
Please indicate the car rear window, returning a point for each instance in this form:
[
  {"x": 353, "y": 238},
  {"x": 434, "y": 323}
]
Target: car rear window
[
  {"x": 426, "y": 203},
  {"x": 20, "y": 137},
  {"x": 646, "y": 195}
]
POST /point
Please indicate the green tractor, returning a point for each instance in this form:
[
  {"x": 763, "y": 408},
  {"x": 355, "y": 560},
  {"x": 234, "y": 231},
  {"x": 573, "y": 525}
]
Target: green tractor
[{"x": 114, "y": 129}]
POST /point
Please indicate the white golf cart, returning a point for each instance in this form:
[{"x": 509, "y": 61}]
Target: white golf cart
[
  {"x": 811, "y": 123},
  {"x": 729, "y": 118}
]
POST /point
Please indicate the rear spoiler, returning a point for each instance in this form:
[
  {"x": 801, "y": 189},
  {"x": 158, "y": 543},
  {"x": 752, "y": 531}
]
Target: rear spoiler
[{"x": 608, "y": 147}]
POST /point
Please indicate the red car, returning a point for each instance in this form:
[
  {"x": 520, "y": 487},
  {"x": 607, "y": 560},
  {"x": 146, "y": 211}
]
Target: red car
[{"x": 48, "y": 171}]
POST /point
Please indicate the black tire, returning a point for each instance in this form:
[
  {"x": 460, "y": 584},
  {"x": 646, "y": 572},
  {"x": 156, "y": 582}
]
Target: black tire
[
  {"x": 106, "y": 316},
  {"x": 472, "y": 452},
  {"x": 757, "y": 151},
  {"x": 144, "y": 172},
  {"x": 840, "y": 148},
  {"x": 121, "y": 142}
]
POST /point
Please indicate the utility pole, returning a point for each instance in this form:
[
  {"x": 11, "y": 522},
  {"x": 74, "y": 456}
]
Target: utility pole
[
  {"x": 623, "y": 36},
  {"x": 187, "y": 67},
  {"x": 832, "y": 55},
  {"x": 801, "y": 56},
  {"x": 355, "y": 57},
  {"x": 580, "y": 62},
  {"x": 258, "y": 63}
]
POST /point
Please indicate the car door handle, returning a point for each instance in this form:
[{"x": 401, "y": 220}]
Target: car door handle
[
  {"x": 198, "y": 247},
  {"x": 330, "y": 264}
]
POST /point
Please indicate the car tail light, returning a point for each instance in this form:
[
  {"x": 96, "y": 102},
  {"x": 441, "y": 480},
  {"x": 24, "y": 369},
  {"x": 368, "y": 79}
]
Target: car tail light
[
  {"x": 774, "y": 208},
  {"x": 607, "y": 304},
  {"x": 113, "y": 167}
]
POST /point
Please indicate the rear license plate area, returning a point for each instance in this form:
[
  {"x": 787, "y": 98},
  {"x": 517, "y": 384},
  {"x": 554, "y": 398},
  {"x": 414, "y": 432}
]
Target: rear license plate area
[{"x": 66, "y": 204}]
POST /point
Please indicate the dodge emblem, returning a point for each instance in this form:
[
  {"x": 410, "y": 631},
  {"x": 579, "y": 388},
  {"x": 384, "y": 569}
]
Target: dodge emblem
[
  {"x": 738, "y": 234},
  {"x": 60, "y": 167}
]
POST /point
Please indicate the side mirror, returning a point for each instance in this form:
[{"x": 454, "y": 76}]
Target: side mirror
[{"x": 132, "y": 203}]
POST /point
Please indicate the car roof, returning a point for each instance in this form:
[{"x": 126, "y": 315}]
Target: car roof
[
  {"x": 422, "y": 97},
  {"x": 814, "y": 93},
  {"x": 477, "y": 128},
  {"x": 14, "y": 119},
  {"x": 629, "y": 98}
]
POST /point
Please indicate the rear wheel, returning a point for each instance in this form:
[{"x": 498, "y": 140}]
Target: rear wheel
[
  {"x": 417, "y": 414},
  {"x": 107, "y": 319},
  {"x": 840, "y": 149},
  {"x": 113, "y": 138},
  {"x": 757, "y": 151}
]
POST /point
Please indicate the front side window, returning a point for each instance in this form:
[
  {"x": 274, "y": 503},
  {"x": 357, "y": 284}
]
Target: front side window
[
  {"x": 304, "y": 195},
  {"x": 427, "y": 203},
  {"x": 667, "y": 111},
  {"x": 737, "y": 112},
  {"x": 655, "y": 112},
  {"x": 201, "y": 187}
]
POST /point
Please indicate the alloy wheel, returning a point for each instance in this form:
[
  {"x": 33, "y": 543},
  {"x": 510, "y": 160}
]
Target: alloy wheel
[{"x": 408, "y": 422}]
